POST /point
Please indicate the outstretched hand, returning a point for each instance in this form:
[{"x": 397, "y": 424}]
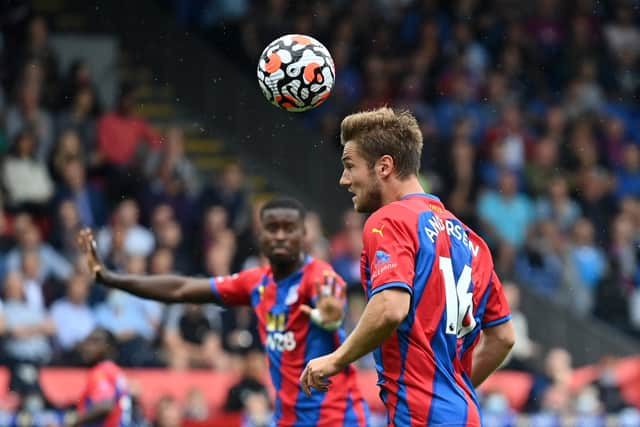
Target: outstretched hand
[
  {"x": 329, "y": 306},
  {"x": 87, "y": 245}
]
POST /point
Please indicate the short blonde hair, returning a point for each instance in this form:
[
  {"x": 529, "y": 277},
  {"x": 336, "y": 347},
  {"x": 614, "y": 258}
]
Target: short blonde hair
[{"x": 385, "y": 131}]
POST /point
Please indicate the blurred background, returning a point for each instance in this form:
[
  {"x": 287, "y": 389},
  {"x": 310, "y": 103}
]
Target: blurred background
[{"x": 144, "y": 120}]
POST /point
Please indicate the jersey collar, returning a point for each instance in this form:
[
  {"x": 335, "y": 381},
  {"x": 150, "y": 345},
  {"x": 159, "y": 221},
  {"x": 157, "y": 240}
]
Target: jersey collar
[
  {"x": 427, "y": 195},
  {"x": 292, "y": 278}
]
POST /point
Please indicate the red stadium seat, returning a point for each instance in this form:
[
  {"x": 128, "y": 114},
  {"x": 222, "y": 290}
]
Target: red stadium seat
[
  {"x": 63, "y": 386},
  {"x": 514, "y": 385}
]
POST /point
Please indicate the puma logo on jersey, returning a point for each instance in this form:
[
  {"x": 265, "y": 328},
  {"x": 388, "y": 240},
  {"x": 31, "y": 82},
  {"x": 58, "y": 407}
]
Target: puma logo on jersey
[{"x": 378, "y": 230}]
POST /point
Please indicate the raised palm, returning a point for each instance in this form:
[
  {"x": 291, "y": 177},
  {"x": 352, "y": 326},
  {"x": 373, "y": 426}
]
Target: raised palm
[
  {"x": 87, "y": 245},
  {"x": 330, "y": 300}
]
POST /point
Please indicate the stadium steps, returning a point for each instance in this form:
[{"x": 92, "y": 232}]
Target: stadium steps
[{"x": 159, "y": 102}]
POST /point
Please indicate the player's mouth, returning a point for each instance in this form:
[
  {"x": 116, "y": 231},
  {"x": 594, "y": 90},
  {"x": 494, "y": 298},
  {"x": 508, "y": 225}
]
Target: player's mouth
[{"x": 280, "y": 250}]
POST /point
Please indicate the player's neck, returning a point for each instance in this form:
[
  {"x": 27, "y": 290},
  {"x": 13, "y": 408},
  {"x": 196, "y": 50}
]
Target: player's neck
[
  {"x": 397, "y": 189},
  {"x": 282, "y": 271}
]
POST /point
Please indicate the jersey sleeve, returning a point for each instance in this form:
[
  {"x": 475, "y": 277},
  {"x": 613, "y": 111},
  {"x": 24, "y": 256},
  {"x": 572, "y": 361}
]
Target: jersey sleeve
[
  {"x": 497, "y": 309},
  {"x": 235, "y": 289},
  {"x": 390, "y": 249},
  {"x": 100, "y": 387}
]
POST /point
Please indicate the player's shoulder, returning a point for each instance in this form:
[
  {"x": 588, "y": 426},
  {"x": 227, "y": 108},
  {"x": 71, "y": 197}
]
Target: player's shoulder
[
  {"x": 105, "y": 369},
  {"x": 398, "y": 212},
  {"x": 478, "y": 241},
  {"x": 253, "y": 273}
]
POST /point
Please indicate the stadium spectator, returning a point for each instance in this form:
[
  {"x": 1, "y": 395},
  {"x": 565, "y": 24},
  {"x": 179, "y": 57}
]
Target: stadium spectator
[
  {"x": 196, "y": 407},
  {"x": 168, "y": 412},
  {"x": 169, "y": 167},
  {"x": 504, "y": 216},
  {"x": 119, "y": 131},
  {"x": 133, "y": 321},
  {"x": 119, "y": 137},
  {"x": 251, "y": 368},
  {"x": 88, "y": 199},
  {"x": 27, "y": 327},
  {"x": 524, "y": 351},
  {"x": 67, "y": 224},
  {"x": 28, "y": 114},
  {"x": 192, "y": 337},
  {"x": 557, "y": 206},
  {"x": 628, "y": 176},
  {"x": 68, "y": 148},
  {"x": 550, "y": 389},
  {"x": 73, "y": 318},
  {"x": 52, "y": 264},
  {"x": 231, "y": 192},
  {"x": 80, "y": 117},
  {"x": 169, "y": 236},
  {"x": 26, "y": 180},
  {"x": 586, "y": 264},
  {"x": 137, "y": 240},
  {"x": 316, "y": 243}
]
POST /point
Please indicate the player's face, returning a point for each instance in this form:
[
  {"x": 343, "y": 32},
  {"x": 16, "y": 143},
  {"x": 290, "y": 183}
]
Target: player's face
[
  {"x": 360, "y": 180},
  {"x": 94, "y": 348},
  {"x": 282, "y": 235}
]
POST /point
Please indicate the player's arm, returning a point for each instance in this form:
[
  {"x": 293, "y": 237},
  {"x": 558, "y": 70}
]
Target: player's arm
[
  {"x": 498, "y": 334},
  {"x": 384, "y": 312},
  {"x": 382, "y": 315},
  {"x": 166, "y": 288},
  {"x": 98, "y": 412},
  {"x": 495, "y": 344}
]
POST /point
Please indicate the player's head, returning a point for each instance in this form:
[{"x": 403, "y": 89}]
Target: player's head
[
  {"x": 380, "y": 146},
  {"x": 98, "y": 346},
  {"x": 282, "y": 231}
]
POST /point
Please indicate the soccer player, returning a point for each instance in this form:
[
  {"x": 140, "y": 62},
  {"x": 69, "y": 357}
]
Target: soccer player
[
  {"x": 106, "y": 401},
  {"x": 429, "y": 281},
  {"x": 299, "y": 304}
]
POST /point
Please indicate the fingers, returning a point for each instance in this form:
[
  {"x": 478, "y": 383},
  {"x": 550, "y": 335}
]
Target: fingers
[
  {"x": 93, "y": 246},
  {"x": 332, "y": 282},
  {"x": 84, "y": 238},
  {"x": 318, "y": 382},
  {"x": 309, "y": 380},
  {"x": 303, "y": 381},
  {"x": 319, "y": 290}
]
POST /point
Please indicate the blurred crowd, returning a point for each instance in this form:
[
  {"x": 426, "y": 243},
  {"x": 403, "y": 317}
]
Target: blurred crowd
[
  {"x": 532, "y": 138},
  {"x": 529, "y": 114}
]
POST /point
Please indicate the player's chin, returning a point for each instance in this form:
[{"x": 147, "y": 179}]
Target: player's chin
[{"x": 281, "y": 258}]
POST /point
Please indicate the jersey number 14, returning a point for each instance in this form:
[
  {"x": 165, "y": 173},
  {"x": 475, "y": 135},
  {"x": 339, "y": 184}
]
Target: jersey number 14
[{"x": 459, "y": 301}]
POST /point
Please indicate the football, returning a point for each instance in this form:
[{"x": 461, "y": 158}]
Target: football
[{"x": 296, "y": 72}]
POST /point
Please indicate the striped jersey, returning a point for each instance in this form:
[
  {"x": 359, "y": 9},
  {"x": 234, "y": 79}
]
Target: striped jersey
[
  {"x": 107, "y": 381},
  {"x": 417, "y": 245},
  {"x": 291, "y": 340}
]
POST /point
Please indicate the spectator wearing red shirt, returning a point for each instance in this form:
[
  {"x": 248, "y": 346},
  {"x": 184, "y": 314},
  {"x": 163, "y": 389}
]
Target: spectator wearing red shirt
[{"x": 120, "y": 132}]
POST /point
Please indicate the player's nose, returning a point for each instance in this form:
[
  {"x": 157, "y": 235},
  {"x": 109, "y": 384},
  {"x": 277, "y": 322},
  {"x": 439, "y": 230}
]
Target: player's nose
[{"x": 344, "y": 179}]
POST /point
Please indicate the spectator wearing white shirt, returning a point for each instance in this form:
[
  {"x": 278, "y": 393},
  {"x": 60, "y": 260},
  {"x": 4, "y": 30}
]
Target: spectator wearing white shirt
[
  {"x": 138, "y": 241},
  {"x": 73, "y": 318},
  {"x": 27, "y": 180},
  {"x": 27, "y": 327},
  {"x": 52, "y": 264}
]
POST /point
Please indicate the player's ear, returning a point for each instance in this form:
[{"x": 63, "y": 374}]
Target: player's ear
[{"x": 384, "y": 166}]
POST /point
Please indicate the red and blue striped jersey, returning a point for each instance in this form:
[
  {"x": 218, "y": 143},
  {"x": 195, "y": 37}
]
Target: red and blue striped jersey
[
  {"x": 291, "y": 340},
  {"x": 417, "y": 245},
  {"x": 107, "y": 381}
]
